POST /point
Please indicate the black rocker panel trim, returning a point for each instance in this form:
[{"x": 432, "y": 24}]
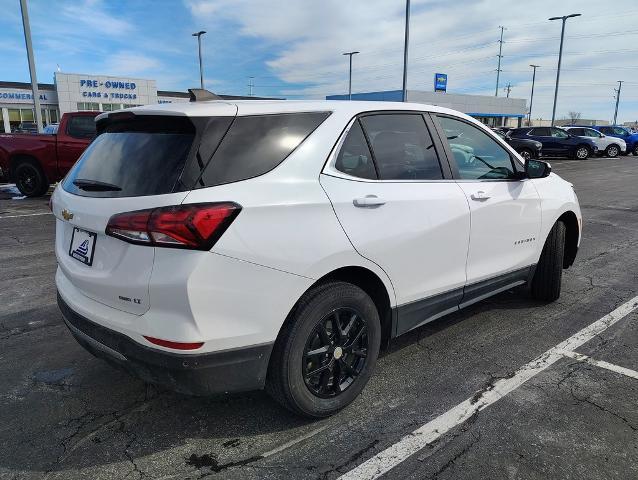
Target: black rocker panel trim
[{"x": 411, "y": 315}]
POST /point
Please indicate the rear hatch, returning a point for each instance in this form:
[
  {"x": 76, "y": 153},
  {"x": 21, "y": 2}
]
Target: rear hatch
[{"x": 137, "y": 161}]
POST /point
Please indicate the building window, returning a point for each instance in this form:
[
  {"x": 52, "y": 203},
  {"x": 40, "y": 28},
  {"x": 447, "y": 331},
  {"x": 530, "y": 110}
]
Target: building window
[
  {"x": 109, "y": 107},
  {"x": 14, "y": 118},
  {"x": 89, "y": 106},
  {"x": 53, "y": 115},
  {"x": 18, "y": 116}
]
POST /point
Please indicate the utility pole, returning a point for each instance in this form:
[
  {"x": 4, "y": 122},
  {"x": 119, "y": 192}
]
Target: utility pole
[
  {"x": 508, "y": 89},
  {"x": 560, "y": 56},
  {"x": 199, "y": 46},
  {"x": 405, "y": 51},
  {"x": 500, "y": 55},
  {"x": 531, "y": 98},
  {"x": 251, "y": 84},
  {"x": 350, "y": 54},
  {"x": 617, "y": 100},
  {"x": 31, "y": 59}
]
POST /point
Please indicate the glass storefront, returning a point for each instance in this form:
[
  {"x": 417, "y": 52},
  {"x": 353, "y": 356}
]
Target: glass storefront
[{"x": 25, "y": 117}]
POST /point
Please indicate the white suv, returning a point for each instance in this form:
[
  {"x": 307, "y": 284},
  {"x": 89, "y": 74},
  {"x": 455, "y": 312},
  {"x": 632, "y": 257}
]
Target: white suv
[
  {"x": 609, "y": 146},
  {"x": 226, "y": 246}
]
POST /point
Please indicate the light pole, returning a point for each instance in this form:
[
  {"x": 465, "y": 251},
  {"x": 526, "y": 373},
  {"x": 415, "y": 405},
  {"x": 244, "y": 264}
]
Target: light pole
[
  {"x": 405, "y": 50},
  {"x": 500, "y": 55},
  {"x": 199, "y": 45},
  {"x": 31, "y": 59},
  {"x": 617, "y": 100},
  {"x": 350, "y": 54},
  {"x": 531, "y": 98},
  {"x": 560, "y": 56}
]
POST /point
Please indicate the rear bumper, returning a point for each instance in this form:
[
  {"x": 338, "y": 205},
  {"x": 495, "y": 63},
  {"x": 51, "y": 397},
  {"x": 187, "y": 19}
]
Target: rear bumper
[{"x": 234, "y": 370}]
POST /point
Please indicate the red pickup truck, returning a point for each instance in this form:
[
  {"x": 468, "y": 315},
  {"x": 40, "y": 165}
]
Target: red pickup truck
[{"x": 34, "y": 161}]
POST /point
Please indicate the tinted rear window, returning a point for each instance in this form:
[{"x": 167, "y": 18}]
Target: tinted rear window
[
  {"x": 256, "y": 144},
  {"x": 136, "y": 157},
  {"x": 81, "y": 126}
]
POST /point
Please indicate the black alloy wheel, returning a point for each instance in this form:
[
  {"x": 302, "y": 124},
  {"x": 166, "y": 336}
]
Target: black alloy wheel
[
  {"x": 635, "y": 150},
  {"x": 30, "y": 180},
  {"x": 335, "y": 352},
  {"x": 326, "y": 351}
]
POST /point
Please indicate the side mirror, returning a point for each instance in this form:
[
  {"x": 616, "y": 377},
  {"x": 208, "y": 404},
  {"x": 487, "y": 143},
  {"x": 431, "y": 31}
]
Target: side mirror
[{"x": 537, "y": 168}]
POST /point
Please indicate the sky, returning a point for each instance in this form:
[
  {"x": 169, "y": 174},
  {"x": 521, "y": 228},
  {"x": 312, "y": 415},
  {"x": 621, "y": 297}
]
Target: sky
[{"x": 293, "y": 48}]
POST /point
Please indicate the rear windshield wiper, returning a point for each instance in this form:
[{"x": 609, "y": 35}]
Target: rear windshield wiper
[{"x": 95, "y": 185}]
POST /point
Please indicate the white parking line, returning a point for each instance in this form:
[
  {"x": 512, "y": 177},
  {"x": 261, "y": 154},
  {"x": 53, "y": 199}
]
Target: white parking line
[
  {"x": 602, "y": 364},
  {"x": 426, "y": 434},
  {"x": 26, "y": 215}
]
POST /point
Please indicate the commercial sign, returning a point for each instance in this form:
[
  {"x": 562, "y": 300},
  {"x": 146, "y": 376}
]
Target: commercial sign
[
  {"x": 21, "y": 96},
  {"x": 111, "y": 89},
  {"x": 440, "y": 82}
]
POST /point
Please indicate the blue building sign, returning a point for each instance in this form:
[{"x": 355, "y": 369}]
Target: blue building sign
[
  {"x": 440, "y": 82},
  {"x": 111, "y": 85}
]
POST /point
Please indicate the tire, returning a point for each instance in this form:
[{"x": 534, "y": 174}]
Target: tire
[
  {"x": 581, "y": 152},
  {"x": 546, "y": 283},
  {"x": 635, "y": 150},
  {"x": 30, "y": 178},
  {"x": 612, "y": 151},
  {"x": 290, "y": 380},
  {"x": 526, "y": 153}
]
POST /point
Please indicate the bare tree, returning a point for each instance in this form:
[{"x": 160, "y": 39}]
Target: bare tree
[{"x": 574, "y": 116}]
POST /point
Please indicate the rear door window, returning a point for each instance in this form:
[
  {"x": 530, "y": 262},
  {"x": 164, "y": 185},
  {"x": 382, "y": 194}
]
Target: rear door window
[
  {"x": 540, "y": 132},
  {"x": 402, "y": 146},
  {"x": 354, "y": 158},
  {"x": 136, "y": 157},
  {"x": 256, "y": 144}
]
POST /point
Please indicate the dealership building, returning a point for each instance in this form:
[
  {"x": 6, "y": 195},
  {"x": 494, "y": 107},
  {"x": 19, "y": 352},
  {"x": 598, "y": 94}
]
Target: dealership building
[
  {"x": 492, "y": 111},
  {"x": 72, "y": 92}
]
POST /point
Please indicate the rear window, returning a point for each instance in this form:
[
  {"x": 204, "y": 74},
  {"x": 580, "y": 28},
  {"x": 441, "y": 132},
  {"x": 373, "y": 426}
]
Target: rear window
[
  {"x": 153, "y": 155},
  {"x": 256, "y": 144},
  {"x": 133, "y": 158},
  {"x": 81, "y": 126}
]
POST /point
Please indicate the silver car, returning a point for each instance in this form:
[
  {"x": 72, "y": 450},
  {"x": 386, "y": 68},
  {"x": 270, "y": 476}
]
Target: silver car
[{"x": 609, "y": 146}]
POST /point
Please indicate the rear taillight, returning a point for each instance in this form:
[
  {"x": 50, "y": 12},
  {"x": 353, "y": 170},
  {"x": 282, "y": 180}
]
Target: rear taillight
[{"x": 196, "y": 226}]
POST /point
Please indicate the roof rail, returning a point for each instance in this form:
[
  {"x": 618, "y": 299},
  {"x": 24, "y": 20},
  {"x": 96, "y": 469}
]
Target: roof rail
[{"x": 201, "y": 95}]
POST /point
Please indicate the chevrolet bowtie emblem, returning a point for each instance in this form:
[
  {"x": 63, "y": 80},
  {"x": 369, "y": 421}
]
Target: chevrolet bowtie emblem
[{"x": 67, "y": 215}]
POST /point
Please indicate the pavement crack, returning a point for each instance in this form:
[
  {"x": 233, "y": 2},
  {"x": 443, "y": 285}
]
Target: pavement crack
[
  {"x": 589, "y": 401},
  {"x": 475, "y": 439}
]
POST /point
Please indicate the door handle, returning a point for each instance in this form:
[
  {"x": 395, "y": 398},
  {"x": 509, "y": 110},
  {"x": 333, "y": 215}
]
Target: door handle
[
  {"x": 369, "y": 201},
  {"x": 480, "y": 196}
]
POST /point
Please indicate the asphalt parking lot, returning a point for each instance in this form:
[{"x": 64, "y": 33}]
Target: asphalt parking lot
[{"x": 67, "y": 415}]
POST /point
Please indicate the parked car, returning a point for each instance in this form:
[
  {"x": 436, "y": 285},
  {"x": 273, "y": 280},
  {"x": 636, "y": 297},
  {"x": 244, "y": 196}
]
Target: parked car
[
  {"x": 610, "y": 146},
  {"x": 631, "y": 139},
  {"x": 51, "y": 129},
  {"x": 26, "y": 127},
  {"x": 527, "y": 148},
  {"x": 34, "y": 162},
  {"x": 557, "y": 142},
  {"x": 193, "y": 262}
]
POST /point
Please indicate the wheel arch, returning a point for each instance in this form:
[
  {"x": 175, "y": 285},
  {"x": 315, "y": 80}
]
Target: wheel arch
[
  {"x": 571, "y": 237},
  {"x": 363, "y": 278}
]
